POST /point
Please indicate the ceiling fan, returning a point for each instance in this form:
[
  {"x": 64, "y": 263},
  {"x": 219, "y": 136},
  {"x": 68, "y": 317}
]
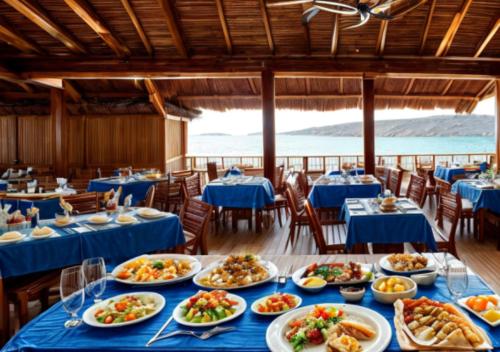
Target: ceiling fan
[{"x": 382, "y": 9}]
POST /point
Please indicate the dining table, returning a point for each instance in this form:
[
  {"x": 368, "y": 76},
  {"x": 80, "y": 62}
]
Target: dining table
[
  {"x": 484, "y": 196},
  {"x": 352, "y": 172},
  {"x": 47, "y": 202},
  {"x": 137, "y": 187},
  {"x": 47, "y": 333},
  {"x": 81, "y": 239},
  {"x": 367, "y": 223},
  {"x": 449, "y": 174},
  {"x": 332, "y": 191}
]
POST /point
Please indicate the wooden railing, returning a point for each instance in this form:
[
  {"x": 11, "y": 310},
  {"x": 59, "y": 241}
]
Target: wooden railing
[{"x": 322, "y": 164}]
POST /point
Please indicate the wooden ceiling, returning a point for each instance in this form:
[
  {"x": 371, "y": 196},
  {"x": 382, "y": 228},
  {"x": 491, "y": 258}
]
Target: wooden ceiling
[{"x": 445, "y": 53}]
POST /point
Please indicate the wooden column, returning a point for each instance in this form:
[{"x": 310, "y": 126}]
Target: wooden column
[
  {"x": 369, "y": 125},
  {"x": 184, "y": 149},
  {"x": 268, "y": 125},
  {"x": 59, "y": 125},
  {"x": 497, "y": 125}
]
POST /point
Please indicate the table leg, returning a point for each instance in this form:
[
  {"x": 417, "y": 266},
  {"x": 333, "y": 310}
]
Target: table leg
[
  {"x": 4, "y": 311},
  {"x": 258, "y": 221},
  {"x": 481, "y": 225}
]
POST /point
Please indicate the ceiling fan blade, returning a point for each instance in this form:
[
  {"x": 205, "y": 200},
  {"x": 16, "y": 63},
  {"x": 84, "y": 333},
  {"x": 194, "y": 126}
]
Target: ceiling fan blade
[
  {"x": 309, "y": 14},
  {"x": 384, "y": 6},
  {"x": 288, "y": 3},
  {"x": 381, "y": 15},
  {"x": 364, "y": 17},
  {"x": 349, "y": 10}
]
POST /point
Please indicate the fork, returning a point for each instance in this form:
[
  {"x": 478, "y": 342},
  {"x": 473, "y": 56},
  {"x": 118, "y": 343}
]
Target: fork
[{"x": 203, "y": 336}]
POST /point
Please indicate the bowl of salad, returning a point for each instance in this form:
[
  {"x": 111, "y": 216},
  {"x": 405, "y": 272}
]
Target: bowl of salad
[
  {"x": 125, "y": 309},
  {"x": 209, "y": 308}
]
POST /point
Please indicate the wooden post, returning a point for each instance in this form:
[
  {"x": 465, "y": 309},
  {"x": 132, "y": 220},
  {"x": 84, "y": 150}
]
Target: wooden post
[
  {"x": 184, "y": 148},
  {"x": 163, "y": 144},
  {"x": 268, "y": 126},
  {"x": 369, "y": 125},
  {"x": 497, "y": 125},
  {"x": 58, "y": 119}
]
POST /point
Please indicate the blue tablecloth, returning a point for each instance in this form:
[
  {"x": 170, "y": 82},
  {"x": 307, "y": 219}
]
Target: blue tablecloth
[
  {"x": 17, "y": 204},
  {"x": 360, "y": 171},
  {"x": 48, "y": 207},
  {"x": 3, "y": 185},
  {"x": 333, "y": 195},
  {"x": 138, "y": 188},
  {"x": 387, "y": 228},
  {"x": 46, "y": 332},
  {"x": 480, "y": 198},
  {"x": 113, "y": 242},
  {"x": 255, "y": 194},
  {"x": 234, "y": 171},
  {"x": 447, "y": 173}
]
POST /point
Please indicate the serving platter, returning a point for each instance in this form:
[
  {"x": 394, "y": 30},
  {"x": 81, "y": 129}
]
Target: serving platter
[
  {"x": 14, "y": 240},
  {"x": 387, "y": 267},
  {"x": 297, "y": 276},
  {"x": 462, "y": 303}
]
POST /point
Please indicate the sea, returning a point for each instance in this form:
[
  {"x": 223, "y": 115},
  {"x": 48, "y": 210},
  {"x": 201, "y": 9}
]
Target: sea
[{"x": 307, "y": 145}]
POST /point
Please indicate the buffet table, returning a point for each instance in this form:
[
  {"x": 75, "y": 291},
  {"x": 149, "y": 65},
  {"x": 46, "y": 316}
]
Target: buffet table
[{"x": 47, "y": 333}]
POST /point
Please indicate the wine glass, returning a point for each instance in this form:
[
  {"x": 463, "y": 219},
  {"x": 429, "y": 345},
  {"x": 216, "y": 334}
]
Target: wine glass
[
  {"x": 456, "y": 278},
  {"x": 72, "y": 293},
  {"x": 94, "y": 272}
]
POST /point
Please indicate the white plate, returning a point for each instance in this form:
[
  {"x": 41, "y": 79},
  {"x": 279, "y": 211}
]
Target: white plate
[
  {"x": 297, "y": 275},
  {"x": 89, "y": 319},
  {"x": 195, "y": 268},
  {"x": 256, "y": 303},
  {"x": 240, "y": 309},
  {"x": 42, "y": 236},
  {"x": 71, "y": 220},
  {"x": 462, "y": 301},
  {"x": 384, "y": 264},
  {"x": 15, "y": 240},
  {"x": 155, "y": 215},
  {"x": 132, "y": 221},
  {"x": 277, "y": 342},
  {"x": 93, "y": 221},
  {"x": 271, "y": 269}
]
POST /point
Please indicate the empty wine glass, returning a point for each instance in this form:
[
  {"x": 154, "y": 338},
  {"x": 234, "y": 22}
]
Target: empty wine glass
[
  {"x": 456, "y": 278},
  {"x": 94, "y": 272},
  {"x": 72, "y": 293}
]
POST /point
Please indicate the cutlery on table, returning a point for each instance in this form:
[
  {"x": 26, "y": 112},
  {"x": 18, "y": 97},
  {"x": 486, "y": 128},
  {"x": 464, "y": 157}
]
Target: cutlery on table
[
  {"x": 203, "y": 336},
  {"x": 86, "y": 226},
  {"x": 164, "y": 326}
]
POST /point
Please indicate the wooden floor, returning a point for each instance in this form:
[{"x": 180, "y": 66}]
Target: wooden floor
[{"x": 483, "y": 258}]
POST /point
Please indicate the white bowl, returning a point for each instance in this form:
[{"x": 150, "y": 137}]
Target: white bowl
[
  {"x": 391, "y": 297},
  {"x": 353, "y": 296},
  {"x": 425, "y": 279},
  {"x": 312, "y": 289}
]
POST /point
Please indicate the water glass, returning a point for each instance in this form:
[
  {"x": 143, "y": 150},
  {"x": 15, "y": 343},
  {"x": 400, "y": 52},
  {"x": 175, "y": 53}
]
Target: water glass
[
  {"x": 72, "y": 291},
  {"x": 456, "y": 278},
  {"x": 94, "y": 272}
]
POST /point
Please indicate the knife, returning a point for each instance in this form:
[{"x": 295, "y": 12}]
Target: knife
[{"x": 153, "y": 339}]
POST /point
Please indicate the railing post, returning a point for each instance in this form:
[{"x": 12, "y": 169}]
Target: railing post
[{"x": 305, "y": 163}]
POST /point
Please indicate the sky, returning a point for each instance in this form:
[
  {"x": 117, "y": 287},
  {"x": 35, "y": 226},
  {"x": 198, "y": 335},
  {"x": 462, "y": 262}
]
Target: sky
[{"x": 243, "y": 122}]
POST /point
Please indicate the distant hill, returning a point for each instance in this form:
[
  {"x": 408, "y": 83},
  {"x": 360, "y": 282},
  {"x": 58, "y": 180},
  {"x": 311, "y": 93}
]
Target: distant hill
[
  {"x": 214, "y": 134},
  {"x": 434, "y": 126}
]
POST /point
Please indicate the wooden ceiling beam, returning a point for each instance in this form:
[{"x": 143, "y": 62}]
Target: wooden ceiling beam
[
  {"x": 155, "y": 97},
  {"x": 382, "y": 35},
  {"x": 138, "y": 26},
  {"x": 428, "y": 21},
  {"x": 48, "y": 82},
  {"x": 225, "y": 28},
  {"x": 26, "y": 87},
  {"x": 447, "y": 40},
  {"x": 267, "y": 25},
  {"x": 169, "y": 13},
  {"x": 409, "y": 86},
  {"x": 14, "y": 38},
  {"x": 253, "y": 86},
  {"x": 38, "y": 16},
  {"x": 487, "y": 39},
  {"x": 479, "y": 96},
  {"x": 307, "y": 32},
  {"x": 85, "y": 11},
  {"x": 447, "y": 87},
  {"x": 335, "y": 35},
  {"x": 72, "y": 91}
]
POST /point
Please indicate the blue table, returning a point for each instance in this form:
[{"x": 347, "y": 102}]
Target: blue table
[
  {"x": 449, "y": 173},
  {"x": 333, "y": 195},
  {"x": 17, "y": 204},
  {"x": 367, "y": 224},
  {"x": 46, "y": 332},
  {"x": 113, "y": 242},
  {"x": 360, "y": 171},
  {"x": 138, "y": 188},
  {"x": 239, "y": 192},
  {"x": 480, "y": 198},
  {"x": 3, "y": 185}
]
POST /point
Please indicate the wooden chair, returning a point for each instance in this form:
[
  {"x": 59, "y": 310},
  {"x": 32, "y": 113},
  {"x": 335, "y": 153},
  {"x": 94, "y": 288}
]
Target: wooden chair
[
  {"x": 317, "y": 230},
  {"x": 212, "y": 171},
  {"x": 168, "y": 195},
  {"x": 148, "y": 201},
  {"x": 296, "y": 199},
  {"x": 430, "y": 183},
  {"x": 79, "y": 185},
  {"x": 191, "y": 186},
  {"x": 182, "y": 173},
  {"x": 395, "y": 178},
  {"x": 416, "y": 190},
  {"x": 466, "y": 206},
  {"x": 280, "y": 201},
  {"x": 449, "y": 209},
  {"x": 383, "y": 174},
  {"x": 84, "y": 203},
  {"x": 303, "y": 182},
  {"x": 254, "y": 171},
  {"x": 195, "y": 216}
]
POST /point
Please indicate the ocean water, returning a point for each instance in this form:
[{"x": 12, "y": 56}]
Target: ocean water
[{"x": 321, "y": 145}]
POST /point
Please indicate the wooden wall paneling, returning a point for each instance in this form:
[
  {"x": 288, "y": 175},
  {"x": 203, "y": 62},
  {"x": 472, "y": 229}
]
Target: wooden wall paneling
[
  {"x": 35, "y": 141},
  {"x": 173, "y": 145},
  {"x": 8, "y": 140},
  {"x": 76, "y": 141}
]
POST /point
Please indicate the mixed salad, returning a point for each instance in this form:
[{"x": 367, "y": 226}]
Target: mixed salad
[
  {"x": 337, "y": 272},
  {"x": 128, "y": 308},
  {"x": 313, "y": 328},
  {"x": 147, "y": 270},
  {"x": 206, "y": 307}
]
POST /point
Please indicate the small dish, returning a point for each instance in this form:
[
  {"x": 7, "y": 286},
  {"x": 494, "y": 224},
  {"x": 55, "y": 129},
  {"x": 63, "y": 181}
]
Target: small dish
[
  {"x": 425, "y": 279},
  {"x": 263, "y": 301},
  {"x": 390, "y": 297},
  {"x": 352, "y": 293},
  {"x": 312, "y": 284}
]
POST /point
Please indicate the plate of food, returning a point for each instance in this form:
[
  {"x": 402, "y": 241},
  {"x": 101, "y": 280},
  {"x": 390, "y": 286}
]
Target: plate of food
[
  {"x": 235, "y": 272},
  {"x": 150, "y": 213},
  {"x": 209, "y": 308},
  {"x": 485, "y": 307},
  {"x": 276, "y": 304},
  {"x": 62, "y": 221},
  {"x": 335, "y": 273},
  {"x": 11, "y": 237},
  {"x": 329, "y": 327},
  {"x": 406, "y": 263},
  {"x": 99, "y": 219},
  {"x": 125, "y": 219},
  {"x": 39, "y": 233},
  {"x": 431, "y": 325},
  {"x": 157, "y": 269},
  {"x": 125, "y": 309}
]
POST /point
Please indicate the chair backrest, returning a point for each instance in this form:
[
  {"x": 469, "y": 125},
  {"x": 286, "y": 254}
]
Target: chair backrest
[
  {"x": 395, "y": 179},
  {"x": 416, "y": 190},
  {"x": 303, "y": 182},
  {"x": 79, "y": 185},
  {"x": 192, "y": 186},
  {"x": 195, "y": 217},
  {"x": 254, "y": 171},
  {"x": 442, "y": 184},
  {"x": 84, "y": 203},
  {"x": 279, "y": 184},
  {"x": 295, "y": 198},
  {"x": 316, "y": 228},
  {"x": 182, "y": 173},
  {"x": 449, "y": 208},
  {"x": 212, "y": 171},
  {"x": 150, "y": 196},
  {"x": 379, "y": 171}
]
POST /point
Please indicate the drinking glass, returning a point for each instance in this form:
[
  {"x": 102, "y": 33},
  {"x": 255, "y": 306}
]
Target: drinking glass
[
  {"x": 72, "y": 291},
  {"x": 456, "y": 278},
  {"x": 94, "y": 272}
]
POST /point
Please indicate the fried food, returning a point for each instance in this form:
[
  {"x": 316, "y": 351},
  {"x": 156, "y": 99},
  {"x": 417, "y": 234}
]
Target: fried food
[{"x": 407, "y": 262}]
